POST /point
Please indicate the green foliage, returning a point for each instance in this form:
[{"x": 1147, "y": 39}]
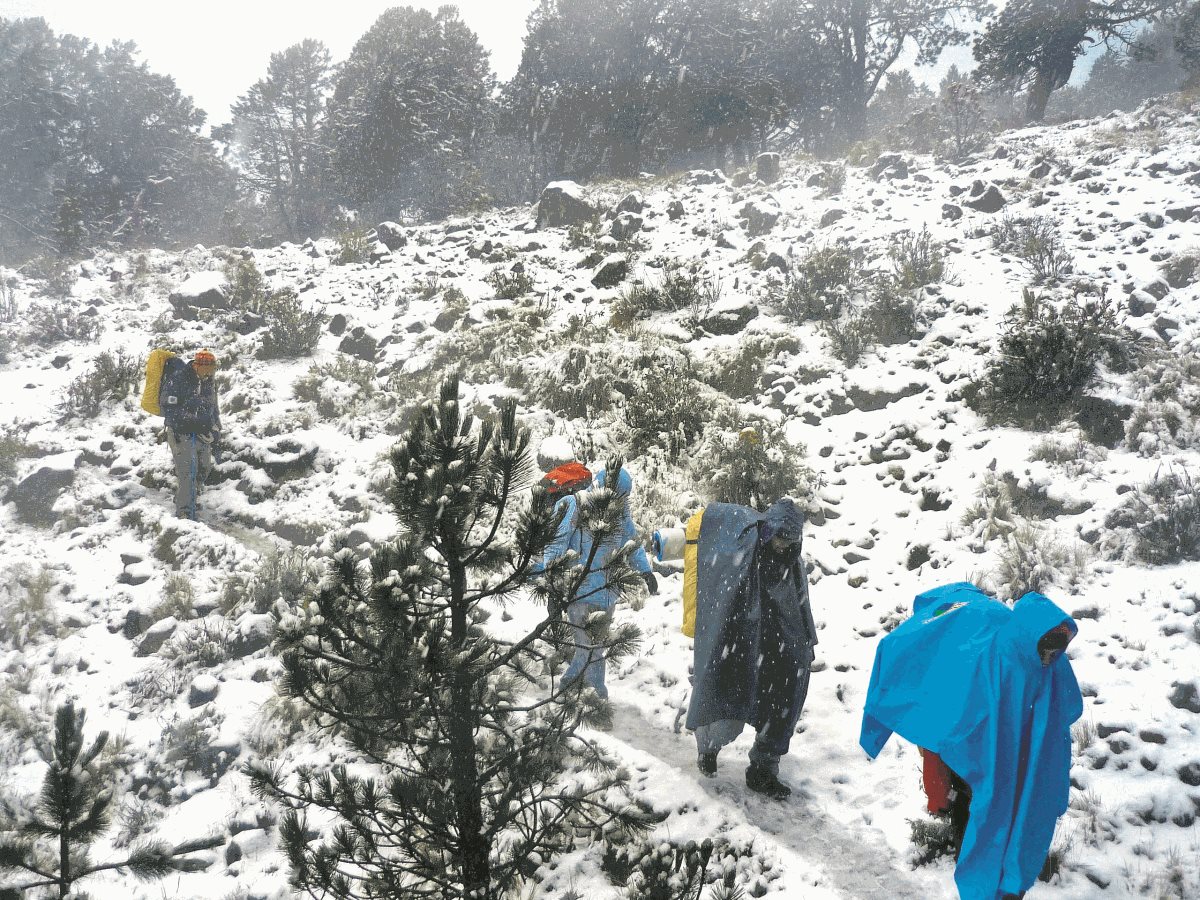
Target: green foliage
[
  {"x": 1183, "y": 268},
  {"x": 751, "y": 464},
  {"x": 393, "y": 656},
  {"x": 1030, "y": 559},
  {"x": 1047, "y": 356},
  {"x": 292, "y": 329},
  {"x": 13, "y": 447},
  {"x": 917, "y": 259},
  {"x": 247, "y": 288},
  {"x": 110, "y": 378},
  {"x": 662, "y": 406},
  {"x": 336, "y": 387},
  {"x": 280, "y": 576},
  {"x": 50, "y": 843},
  {"x": 823, "y": 284},
  {"x": 62, "y": 321},
  {"x": 510, "y": 285},
  {"x": 1036, "y": 242},
  {"x": 738, "y": 371},
  {"x": 28, "y": 611},
  {"x": 1165, "y": 518},
  {"x": 353, "y": 247},
  {"x": 932, "y": 839}
]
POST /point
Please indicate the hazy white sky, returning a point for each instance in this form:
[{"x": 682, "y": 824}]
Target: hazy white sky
[{"x": 216, "y": 49}]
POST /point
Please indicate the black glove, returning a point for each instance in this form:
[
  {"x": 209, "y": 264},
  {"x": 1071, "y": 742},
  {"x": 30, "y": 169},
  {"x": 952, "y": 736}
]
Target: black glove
[{"x": 651, "y": 582}]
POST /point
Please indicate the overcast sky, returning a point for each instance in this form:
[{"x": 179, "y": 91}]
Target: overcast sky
[{"x": 216, "y": 49}]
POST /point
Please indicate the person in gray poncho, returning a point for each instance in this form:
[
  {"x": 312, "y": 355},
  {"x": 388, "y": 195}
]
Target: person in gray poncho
[{"x": 754, "y": 636}]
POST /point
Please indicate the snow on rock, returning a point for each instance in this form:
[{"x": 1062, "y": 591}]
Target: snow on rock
[{"x": 203, "y": 290}]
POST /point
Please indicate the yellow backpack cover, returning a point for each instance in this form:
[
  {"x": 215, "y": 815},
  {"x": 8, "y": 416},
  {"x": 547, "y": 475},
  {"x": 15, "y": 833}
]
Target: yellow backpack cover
[
  {"x": 154, "y": 372},
  {"x": 691, "y": 552}
]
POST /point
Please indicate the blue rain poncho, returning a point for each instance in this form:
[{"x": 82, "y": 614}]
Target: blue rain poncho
[
  {"x": 962, "y": 677},
  {"x": 754, "y": 628}
]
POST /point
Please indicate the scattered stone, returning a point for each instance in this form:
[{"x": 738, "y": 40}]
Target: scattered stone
[
  {"x": 201, "y": 291},
  {"x": 1152, "y": 220},
  {"x": 986, "y": 200},
  {"x": 390, "y": 235},
  {"x": 633, "y": 202},
  {"x": 831, "y": 216},
  {"x": 674, "y": 210},
  {"x": 611, "y": 271},
  {"x": 337, "y": 324},
  {"x": 776, "y": 260},
  {"x": 951, "y": 212},
  {"x": 889, "y": 165},
  {"x": 35, "y": 495},
  {"x": 1182, "y": 213},
  {"x": 625, "y": 226},
  {"x": 248, "y": 323},
  {"x": 156, "y": 636},
  {"x": 203, "y": 689},
  {"x": 1190, "y": 774},
  {"x": 702, "y": 176},
  {"x": 760, "y": 216},
  {"x": 1041, "y": 170},
  {"x": 1185, "y": 696},
  {"x": 767, "y": 166},
  {"x": 359, "y": 344},
  {"x": 1152, "y": 737},
  {"x": 562, "y": 204},
  {"x": 60, "y": 360},
  {"x": 731, "y": 319},
  {"x": 1140, "y": 303},
  {"x": 254, "y": 632},
  {"x": 918, "y": 555}
]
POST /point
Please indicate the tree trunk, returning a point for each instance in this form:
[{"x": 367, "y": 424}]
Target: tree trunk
[
  {"x": 64, "y": 861},
  {"x": 473, "y": 849},
  {"x": 1038, "y": 97}
]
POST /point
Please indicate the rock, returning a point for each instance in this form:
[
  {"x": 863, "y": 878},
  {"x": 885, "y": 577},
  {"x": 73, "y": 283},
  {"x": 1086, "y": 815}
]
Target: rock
[
  {"x": 767, "y": 166},
  {"x": 1151, "y": 736},
  {"x": 136, "y": 621},
  {"x": 562, "y": 204},
  {"x": 390, "y": 235},
  {"x": 990, "y": 200},
  {"x": 60, "y": 360},
  {"x": 1158, "y": 288},
  {"x": 1152, "y": 220},
  {"x": 831, "y": 216},
  {"x": 611, "y": 271},
  {"x": 337, "y": 324},
  {"x": 136, "y": 573},
  {"x": 951, "y": 212},
  {"x": 760, "y": 216},
  {"x": 1103, "y": 420},
  {"x": 731, "y": 319},
  {"x": 248, "y": 323},
  {"x": 891, "y": 165},
  {"x": 253, "y": 633},
  {"x": 1140, "y": 303},
  {"x": 35, "y": 495},
  {"x": 625, "y": 226},
  {"x": 1182, "y": 213},
  {"x": 1190, "y": 774},
  {"x": 156, "y": 636},
  {"x": 777, "y": 261},
  {"x": 359, "y": 344},
  {"x": 379, "y": 252},
  {"x": 555, "y": 450},
  {"x": 1166, "y": 326},
  {"x": 203, "y": 689},
  {"x": 633, "y": 202},
  {"x": 674, "y": 210},
  {"x": 194, "y": 862},
  {"x": 201, "y": 291},
  {"x": 702, "y": 176},
  {"x": 1041, "y": 170},
  {"x": 870, "y": 401},
  {"x": 446, "y": 319},
  {"x": 1182, "y": 270},
  {"x": 1185, "y": 696}
]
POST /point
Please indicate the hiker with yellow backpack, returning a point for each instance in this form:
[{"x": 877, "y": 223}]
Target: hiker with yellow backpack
[
  {"x": 185, "y": 395},
  {"x": 746, "y": 606}
]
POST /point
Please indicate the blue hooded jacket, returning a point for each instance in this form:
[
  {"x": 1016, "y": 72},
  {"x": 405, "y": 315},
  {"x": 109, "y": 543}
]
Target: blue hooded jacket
[
  {"x": 962, "y": 677},
  {"x": 570, "y": 536},
  {"x": 754, "y": 627}
]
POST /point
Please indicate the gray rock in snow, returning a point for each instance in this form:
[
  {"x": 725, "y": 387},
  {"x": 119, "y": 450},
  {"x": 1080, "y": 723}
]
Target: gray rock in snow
[
  {"x": 1182, "y": 213},
  {"x": 951, "y": 212},
  {"x": 202, "y": 291},
  {"x": 203, "y": 689},
  {"x": 562, "y": 204},
  {"x": 337, "y": 325},
  {"x": 156, "y": 636},
  {"x": 990, "y": 200},
  {"x": 1158, "y": 288},
  {"x": 767, "y": 166},
  {"x": 674, "y": 210},
  {"x": 633, "y": 202},
  {"x": 704, "y": 176},
  {"x": 611, "y": 271},
  {"x": 254, "y": 633},
  {"x": 1140, "y": 303},
  {"x": 760, "y": 216},
  {"x": 1041, "y": 170},
  {"x": 34, "y": 497},
  {"x": 390, "y": 235},
  {"x": 359, "y": 344},
  {"x": 625, "y": 226},
  {"x": 1152, "y": 220},
  {"x": 730, "y": 320},
  {"x": 831, "y": 216}
]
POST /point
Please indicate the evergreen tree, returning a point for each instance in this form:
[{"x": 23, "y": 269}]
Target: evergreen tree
[
  {"x": 277, "y": 133},
  {"x": 1187, "y": 43},
  {"x": 481, "y": 772},
  {"x": 73, "y": 810},
  {"x": 1033, "y": 44},
  {"x": 407, "y": 108}
]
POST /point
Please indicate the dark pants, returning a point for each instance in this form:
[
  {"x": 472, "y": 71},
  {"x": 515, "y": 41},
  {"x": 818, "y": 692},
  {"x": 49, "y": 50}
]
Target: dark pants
[
  {"x": 193, "y": 460},
  {"x": 774, "y": 736}
]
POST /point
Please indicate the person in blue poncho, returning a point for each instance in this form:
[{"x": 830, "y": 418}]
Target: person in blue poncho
[
  {"x": 754, "y": 636},
  {"x": 989, "y": 689},
  {"x": 595, "y": 596}
]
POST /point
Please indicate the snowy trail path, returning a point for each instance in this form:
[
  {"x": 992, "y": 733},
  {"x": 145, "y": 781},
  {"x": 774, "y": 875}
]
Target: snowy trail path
[{"x": 855, "y": 864}]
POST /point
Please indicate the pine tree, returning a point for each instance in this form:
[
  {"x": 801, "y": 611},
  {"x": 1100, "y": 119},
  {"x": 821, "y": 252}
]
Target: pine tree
[
  {"x": 73, "y": 810},
  {"x": 480, "y": 773}
]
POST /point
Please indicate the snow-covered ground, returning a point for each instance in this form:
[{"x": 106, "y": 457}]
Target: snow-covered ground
[{"x": 901, "y": 459}]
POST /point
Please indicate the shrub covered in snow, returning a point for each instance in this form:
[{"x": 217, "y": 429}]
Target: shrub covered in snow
[
  {"x": 292, "y": 329},
  {"x": 824, "y": 281},
  {"x": 753, "y": 464},
  {"x": 917, "y": 259},
  {"x": 1036, "y": 241},
  {"x": 62, "y": 321},
  {"x": 1164, "y": 516},
  {"x": 110, "y": 377}
]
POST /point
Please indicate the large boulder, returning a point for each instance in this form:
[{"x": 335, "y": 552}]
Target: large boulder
[
  {"x": 633, "y": 202},
  {"x": 201, "y": 291},
  {"x": 706, "y": 176},
  {"x": 390, "y": 235},
  {"x": 35, "y": 495},
  {"x": 730, "y": 318},
  {"x": 360, "y": 344},
  {"x": 611, "y": 271},
  {"x": 562, "y": 204},
  {"x": 768, "y": 167},
  {"x": 760, "y": 216},
  {"x": 985, "y": 198},
  {"x": 889, "y": 165},
  {"x": 625, "y": 226}
]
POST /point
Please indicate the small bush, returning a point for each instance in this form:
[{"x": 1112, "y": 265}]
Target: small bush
[
  {"x": 247, "y": 287},
  {"x": 287, "y": 576},
  {"x": 1037, "y": 243},
  {"x": 352, "y": 247},
  {"x": 1046, "y": 358},
  {"x": 336, "y": 387},
  {"x": 738, "y": 371},
  {"x": 188, "y": 743},
  {"x": 1181, "y": 270},
  {"x": 1165, "y": 518},
  {"x": 510, "y": 285},
  {"x": 13, "y": 447},
  {"x": 1030, "y": 560},
  {"x": 932, "y": 839},
  {"x": 917, "y": 259},
  {"x": 823, "y": 284},
  {"x": 663, "y": 406},
  {"x": 991, "y": 515},
  {"x": 849, "y": 335},
  {"x": 891, "y": 313},
  {"x": 752, "y": 465},
  {"x": 292, "y": 330},
  {"x": 1158, "y": 426},
  {"x": 110, "y": 378},
  {"x": 429, "y": 286},
  {"x": 28, "y": 606},
  {"x": 8, "y": 301},
  {"x": 579, "y": 384},
  {"x": 201, "y": 644},
  {"x": 178, "y": 600},
  {"x": 48, "y": 325}
]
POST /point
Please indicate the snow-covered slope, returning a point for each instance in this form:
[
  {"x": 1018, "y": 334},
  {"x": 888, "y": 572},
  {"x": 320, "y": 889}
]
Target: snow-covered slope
[{"x": 143, "y": 612}]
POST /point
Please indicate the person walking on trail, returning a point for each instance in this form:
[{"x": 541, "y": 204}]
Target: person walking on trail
[
  {"x": 754, "y": 636},
  {"x": 987, "y": 692},
  {"x": 595, "y": 599},
  {"x": 188, "y": 398}
]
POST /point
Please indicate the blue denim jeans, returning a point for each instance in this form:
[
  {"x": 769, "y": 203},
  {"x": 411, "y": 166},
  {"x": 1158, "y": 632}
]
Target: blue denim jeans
[{"x": 588, "y": 661}]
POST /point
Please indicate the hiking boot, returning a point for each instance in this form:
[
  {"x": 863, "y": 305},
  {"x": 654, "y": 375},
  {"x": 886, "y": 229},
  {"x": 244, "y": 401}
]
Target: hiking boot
[
  {"x": 762, "y": 780},
  {"x": 707, "y": 764}
]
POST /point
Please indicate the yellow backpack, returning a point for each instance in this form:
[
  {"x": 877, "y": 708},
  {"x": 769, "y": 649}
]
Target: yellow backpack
[
  {"x": 691, "y": 552},
  {"x": 154, "y": 373}
]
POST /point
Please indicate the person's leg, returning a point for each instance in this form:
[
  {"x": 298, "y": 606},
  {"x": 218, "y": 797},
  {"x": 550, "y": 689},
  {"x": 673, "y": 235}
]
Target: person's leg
[
  {"x": 181, "y": 454},
  {"x": 711, "y": 738},
  {"x": 960, "y": 810},
  {"x": 774, "y": 738},
  {"x": 594, "y": 671},
  {"x": 576, "y": 614}
]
